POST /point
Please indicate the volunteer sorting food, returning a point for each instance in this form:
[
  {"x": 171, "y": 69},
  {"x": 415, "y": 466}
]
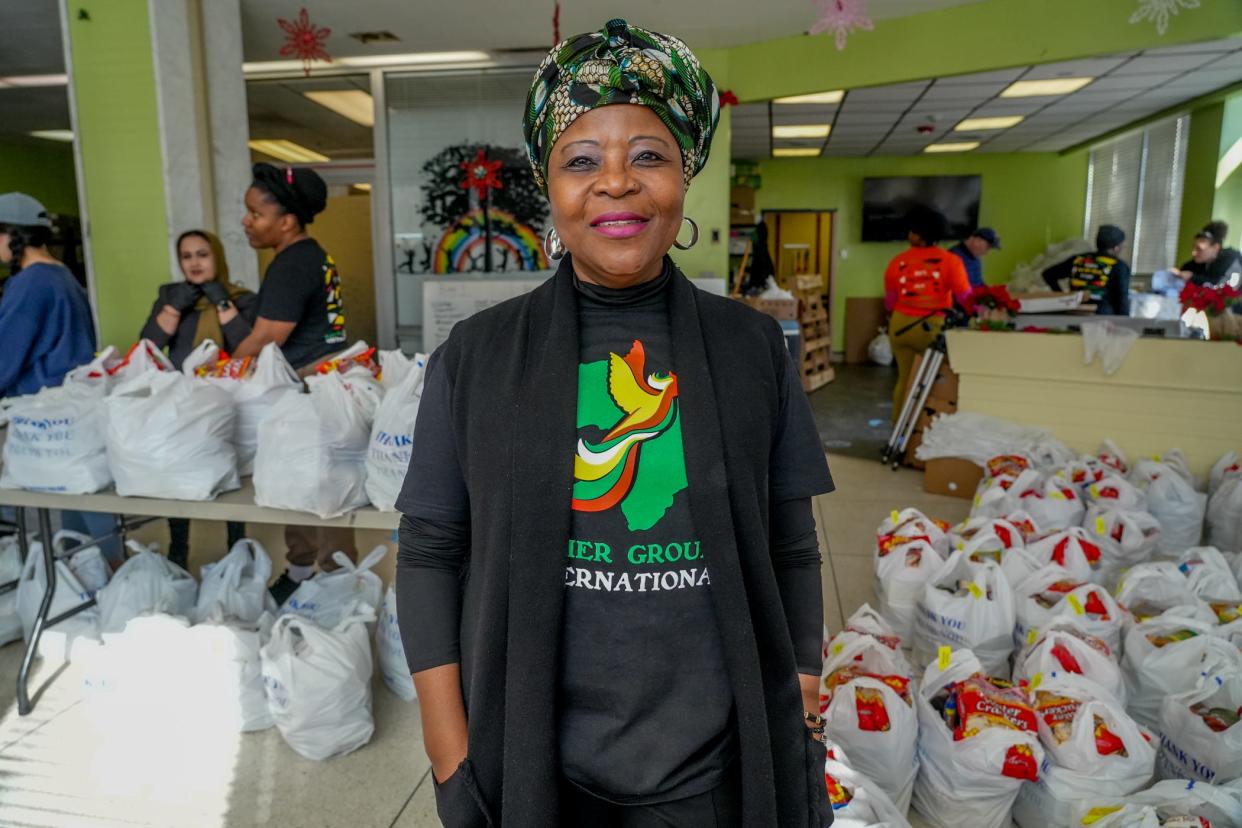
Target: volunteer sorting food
[
  {"x": 1211, "y": 263},
  {"x": 654, "y": 632},
  {"x": 1103, "y": 274},
  {"x": 301, "y": 310},
  {"x": 202, "y": 305}
]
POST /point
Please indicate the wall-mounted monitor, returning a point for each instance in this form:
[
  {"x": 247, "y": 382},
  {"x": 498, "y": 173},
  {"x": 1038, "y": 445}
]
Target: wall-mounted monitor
[{"x": 887, "y": 202}]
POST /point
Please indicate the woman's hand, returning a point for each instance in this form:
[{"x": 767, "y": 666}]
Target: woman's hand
[
  {"x": 444, "y": 718},
  {"x": 810, "y": 700},
  {"x": 168, "y": 319}
]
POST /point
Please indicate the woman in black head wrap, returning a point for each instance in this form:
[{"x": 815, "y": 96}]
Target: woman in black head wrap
[{"x": 300, "y": 307}]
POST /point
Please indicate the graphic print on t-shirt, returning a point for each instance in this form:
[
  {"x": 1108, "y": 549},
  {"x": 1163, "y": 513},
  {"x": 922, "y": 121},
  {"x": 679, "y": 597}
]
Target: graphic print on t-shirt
[
  {"x": 629, "y": 451},
  {"x": 336, "y": 305}
]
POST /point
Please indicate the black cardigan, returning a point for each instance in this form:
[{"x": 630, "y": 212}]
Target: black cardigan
[
  {"x": 513, "y": 370},
  {"x": 181, "y": 342}
]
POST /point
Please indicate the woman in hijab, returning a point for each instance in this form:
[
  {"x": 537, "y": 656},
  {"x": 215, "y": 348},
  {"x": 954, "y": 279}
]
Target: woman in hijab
[
  {"x": 203, "y": 305},
  {"x": 609, "y": 585}
]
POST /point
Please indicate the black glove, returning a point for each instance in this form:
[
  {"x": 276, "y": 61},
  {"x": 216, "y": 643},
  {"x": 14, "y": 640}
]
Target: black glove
[
  {"x": 182, "y": 296},
  {"x": 216, "y": 293}
]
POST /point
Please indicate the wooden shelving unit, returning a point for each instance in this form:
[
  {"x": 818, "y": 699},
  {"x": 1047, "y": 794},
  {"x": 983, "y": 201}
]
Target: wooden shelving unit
[{"x": 816, "y": 362}]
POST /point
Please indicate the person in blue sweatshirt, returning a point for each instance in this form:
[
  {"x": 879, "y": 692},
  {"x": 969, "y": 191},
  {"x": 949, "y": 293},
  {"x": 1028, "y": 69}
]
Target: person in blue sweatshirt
[{"x": 46, "y": 328}]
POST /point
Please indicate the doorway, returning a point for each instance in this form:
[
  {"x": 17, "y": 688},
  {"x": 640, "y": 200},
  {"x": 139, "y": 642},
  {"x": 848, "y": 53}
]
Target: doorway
[{"x": 801, "y": 243}]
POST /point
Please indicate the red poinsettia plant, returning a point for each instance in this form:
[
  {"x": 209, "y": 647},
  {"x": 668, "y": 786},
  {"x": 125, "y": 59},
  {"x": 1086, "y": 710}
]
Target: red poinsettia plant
[
  {"x": 991, "y": 297},
  {"x": 1211, "y": 299}
]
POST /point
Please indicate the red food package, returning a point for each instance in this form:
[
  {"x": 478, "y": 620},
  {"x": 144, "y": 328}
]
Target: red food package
[
  {"x": 1089, "y": 550},
  {"x": 1065, "y": 658},
  {"x": 981, "y": 703},
  {"x": 838, "y": 795},
  {"x": 365, "y": 359},
  {"x": 226, "y": 368},
  {"x": 872, "y": 712},
  {"x": 1020, "y": 763},
  {"x": 899, "y": 684},
  {"x": 1008, "y": 464}
]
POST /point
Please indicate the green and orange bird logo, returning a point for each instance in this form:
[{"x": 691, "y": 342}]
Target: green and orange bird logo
[{"x": 639, "y": 462}]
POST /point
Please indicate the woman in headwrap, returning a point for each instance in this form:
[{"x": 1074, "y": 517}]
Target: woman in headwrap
[
  {"x": 204, "y": 304},
  {"x": 300, "y": 309},
  {"x": 609, "y": 586}
]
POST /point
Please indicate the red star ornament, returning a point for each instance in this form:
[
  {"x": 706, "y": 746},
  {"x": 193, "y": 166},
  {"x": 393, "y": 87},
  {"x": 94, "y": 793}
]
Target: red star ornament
[
  {"x": 304, "y": 40},
  {"x": 481, "y": 174}
]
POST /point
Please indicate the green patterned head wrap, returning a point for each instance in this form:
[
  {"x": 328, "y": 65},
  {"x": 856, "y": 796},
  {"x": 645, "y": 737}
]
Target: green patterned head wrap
[{"x": 621, "y": 64}]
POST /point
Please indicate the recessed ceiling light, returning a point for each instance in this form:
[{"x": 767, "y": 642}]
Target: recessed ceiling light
[
  {"x": 801, "y": 131},
  {"x": 952, "y": 146},
  {"x": 795, "y": 152},
  {"x": 832, "y": 97},
  {"x": 999, "y": 122},
  {"x": 287, "y": 151},
  {"x": 353, "y": 104},
  {"x": 369, "y": 61},
  {"x": 1043, "y": 88},
  {"x": 53, "y": 134},
  {"x": 34, "y": 80},
  {"x": 364, "y": 187}
]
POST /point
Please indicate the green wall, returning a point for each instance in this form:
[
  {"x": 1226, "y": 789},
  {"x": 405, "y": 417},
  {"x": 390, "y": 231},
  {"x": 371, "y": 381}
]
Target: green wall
[
  {"x": 1228, "y": 204},
  {"x": 118, "y": 129},
  {"x": 1032, "y": 200},
  {"x": 707, "y": 201},
  {"x": 43, "y": 170},
  {"x": 1199, "y": 185}
]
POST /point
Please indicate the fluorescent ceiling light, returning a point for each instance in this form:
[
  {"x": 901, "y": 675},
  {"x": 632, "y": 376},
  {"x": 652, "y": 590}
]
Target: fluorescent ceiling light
[
  {"x": 365, "y": 187},
  {"x": 34, "y": 80},
  {"x": 353, "y": 104},
  {"x": 999, "y": 122},
  {"x": 287, "y": 151},
  {"x": 802, "y": 131},
  {"x": 951, "y": 146},
  {"x": 370, "y": 61},
  {"x": 1043, "y": 88},
  {"x": 832, "y": 97},
  {"x": 795, "y": 152},
  {"x": 53, "y": 134}
]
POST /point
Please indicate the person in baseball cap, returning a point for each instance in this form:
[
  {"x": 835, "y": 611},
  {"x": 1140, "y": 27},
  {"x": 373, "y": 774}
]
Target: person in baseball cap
[
  {"x": 46, "y": 328},
  {"x": 971, "y": 251},
  {"x": 1103, "y": 274}
]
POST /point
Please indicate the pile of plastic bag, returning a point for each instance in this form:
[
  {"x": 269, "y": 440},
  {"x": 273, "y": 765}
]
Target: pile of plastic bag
[
  {"x": 392, "y": 433},
  {"x": 1084, "y": 579}
]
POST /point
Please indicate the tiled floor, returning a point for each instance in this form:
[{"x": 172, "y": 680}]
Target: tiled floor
[{"x": 63, "y": 767}]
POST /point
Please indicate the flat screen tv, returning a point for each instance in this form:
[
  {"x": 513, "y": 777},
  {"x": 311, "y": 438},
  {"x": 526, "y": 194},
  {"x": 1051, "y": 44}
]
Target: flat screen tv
[{"x": 887, "y": 202}]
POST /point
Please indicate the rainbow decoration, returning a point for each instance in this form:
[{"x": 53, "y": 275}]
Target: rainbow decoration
[{"x": 468, "y": 234}]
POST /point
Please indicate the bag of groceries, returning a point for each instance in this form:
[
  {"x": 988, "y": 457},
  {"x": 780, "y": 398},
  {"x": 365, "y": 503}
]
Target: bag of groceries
[
  {"x": 1116, "y": 492},
  {"x": 226, "y": 682},
  {"x": 234, "y": 588},
  {"x": 312, "y": 451},
  {"x": 1201, "y": 731},
  {"x": 1093, "y": 749},
  {"x": 332, "y": 596},
  {"x": 393, "y": 666},
  {"x": 1173, "y": 803},
  {"x": 866, "y": 701},
  {"x": 966, "y": 605},
  {"x": 147, "y": 583},
  {"x": 857, "y": 802},
  {"x": 1072, "y": 549},
  {"x": 171, "y": 437},
  {"x": 1125, "y": 538},
  {"x": 1173, "y": 501},
  {"x": 1050, "y": 500},
  {"x": 55, "y": 439},
  {"x": 1049, "y": 594},
  {"x": 1065, "y": 649},
  {"x": 1224, "y": 509},
  {"x": 1152, "y": 589},
  {"x": 900, "y": 573},
  {"x": 1167, "y": 656},
  {"x": 392, "y": 437},
  {"x": 978, "y": 742}
]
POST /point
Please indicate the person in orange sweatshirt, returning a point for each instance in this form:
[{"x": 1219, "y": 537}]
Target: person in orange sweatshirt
[{"x": 920, "y": 286}]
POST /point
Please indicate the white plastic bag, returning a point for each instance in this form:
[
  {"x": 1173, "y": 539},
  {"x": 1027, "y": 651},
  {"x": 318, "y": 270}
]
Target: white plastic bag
[
  {"x": 961, "y": 783},
  {"x": 1108, "y": 341},
  {"x": 1209, "y": 574},
  {"x": 884, "y": 750},
  {"x": 1152, "y": 589},
  {"x": 86, "y": 562},
  {"x": 900, "y": 575},
  {"x": 1113, "y": 490},
  {"x": 1072, "y": 549},
  {"x": 1052, "y": 501},
  {"x": 1125, "y": 538},
  {"x": 1049, "y": 594},
  {"x": 146, "y": 583},
  {"x": 312, "y": 451},
  {"x": 226, "y": 683},
  {"x": 1224, "y": 467},
  {"x": 171, "y": 437},
  {"x": 866, "y": 804},
  {"x": 1219, "y": 805},
  {"x": 1167, "y": 656},
  {"x": 330, "y": 597},
  {"x": 1189, "y": 749},
  {"x": 1075, "y": 770},
  {"x": 70, "y": 592},
  {"x": 880, "y": 350},
  {"x": 392, "y": 437},
  {"x": 1063, "y": 649},
  {"x": 966, "y": 605},
  {"x": 1224, "y": 510},
  {"x": 235, "y": 587},
  {"x": 318, "y": 684},
  {"x": 392, "y": 663},
  {"x": 56, "y": 440},
  {"x": 909, "y": 525},
  {"x": 1172, "y": 501}
]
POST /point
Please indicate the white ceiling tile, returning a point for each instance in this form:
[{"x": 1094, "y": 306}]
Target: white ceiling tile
[
  {"x": 1229, "y": 61},
  {"x": 1124, "y": 82},
  {"x": 779, "y": 117},
  {"x": 1011, "y": 106},
  {"x": 942, "y": 91},
  {"x": 1088, "y": 68},
  {"x": 1226, "y": 45},
  {"x": 877, "y": 94},
  {"x": 1143, "y": 65}
]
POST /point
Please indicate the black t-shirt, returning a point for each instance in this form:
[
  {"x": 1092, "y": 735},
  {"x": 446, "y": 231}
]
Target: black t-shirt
[
  {"x": 645, "y": 705},
  {"x": 1227, "y": 262},
  {"x": 302, "y": 286}
]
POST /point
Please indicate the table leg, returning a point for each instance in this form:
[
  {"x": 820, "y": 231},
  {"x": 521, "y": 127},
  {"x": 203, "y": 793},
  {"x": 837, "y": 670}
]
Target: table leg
[{"x": 32, "y": 646}]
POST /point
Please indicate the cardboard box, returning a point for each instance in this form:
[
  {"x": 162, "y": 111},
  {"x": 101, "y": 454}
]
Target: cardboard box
[
  {"x": 952, "y": 476},
  {"x": 779, "y": 309}
]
